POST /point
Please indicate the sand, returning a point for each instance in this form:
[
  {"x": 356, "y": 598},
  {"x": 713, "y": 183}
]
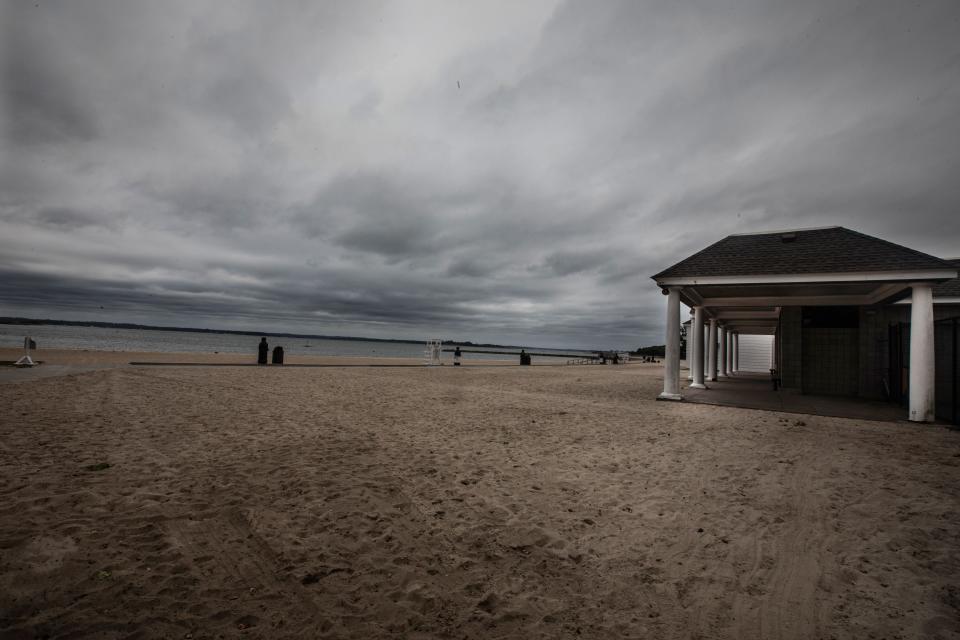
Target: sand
[{"x": 470, "y": 502}]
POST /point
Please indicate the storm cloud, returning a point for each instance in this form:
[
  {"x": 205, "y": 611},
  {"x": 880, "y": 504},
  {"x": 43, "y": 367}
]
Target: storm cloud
[{"x": 508, "y": 172}]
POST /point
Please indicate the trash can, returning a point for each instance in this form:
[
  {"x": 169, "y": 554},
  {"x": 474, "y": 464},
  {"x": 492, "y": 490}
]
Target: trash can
[{"x": 277, "y": 355}]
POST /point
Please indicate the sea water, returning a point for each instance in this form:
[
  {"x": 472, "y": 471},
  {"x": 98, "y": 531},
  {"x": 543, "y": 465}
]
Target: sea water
[{"x": 110, "y": 339}]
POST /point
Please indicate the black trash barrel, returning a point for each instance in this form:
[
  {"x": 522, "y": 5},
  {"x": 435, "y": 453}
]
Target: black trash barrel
[
  {"x": 262, "y": 350},
  {"x": 277, "y": 355}
]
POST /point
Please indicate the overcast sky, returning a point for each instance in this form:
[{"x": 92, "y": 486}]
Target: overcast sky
[{"x": 479, "y": 170}]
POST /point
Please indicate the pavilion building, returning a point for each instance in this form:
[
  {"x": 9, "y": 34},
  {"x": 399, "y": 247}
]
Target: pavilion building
[{"x": 850, "y": 315}]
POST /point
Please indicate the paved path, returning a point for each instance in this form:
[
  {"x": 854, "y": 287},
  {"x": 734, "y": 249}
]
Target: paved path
[{"x": 755, "y": 391}]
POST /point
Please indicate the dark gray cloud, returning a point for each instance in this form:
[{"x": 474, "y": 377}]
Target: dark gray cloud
[
  {"x": 68, "y": 219},
  {"x": 510, "y": 172},
  {"x": 42, "y": 105},
  {"x": 42, "y": 100},
  {"x": 564, "y": 263}
]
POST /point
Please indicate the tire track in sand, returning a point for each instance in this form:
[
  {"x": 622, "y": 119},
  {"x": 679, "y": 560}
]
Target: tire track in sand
[
  {"x": 225, "y": 550},
  {"x": 788, "y": 607}
]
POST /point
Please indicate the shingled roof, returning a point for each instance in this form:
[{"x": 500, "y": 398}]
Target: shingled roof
[
  {"x": 950, "y": 288},
  {"x": 826, "y": 250}
]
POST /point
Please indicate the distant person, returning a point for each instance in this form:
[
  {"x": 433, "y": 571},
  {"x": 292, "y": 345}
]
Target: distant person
[
  {"x": 456, "y": 357},
  {"x": 263, "y": 351}
]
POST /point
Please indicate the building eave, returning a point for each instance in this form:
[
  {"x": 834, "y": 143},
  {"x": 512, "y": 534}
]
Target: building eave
[
  {"x": 944, "y": 300},
  {"x": 940, "y": 275}
]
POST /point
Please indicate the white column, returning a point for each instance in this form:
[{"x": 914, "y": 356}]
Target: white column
[
  {"x": 706, "y": 348},
  {"x": 777, "y": 353},
  {"x": 921, "y": 354},
  {"x": 729, "y": 352},
  {"x": 723, "y": 352},
  {"x": 736, "y": 352},
  {"x": 671, "y": 363},
  {"x": 690, "y": 354},
  {"x": 696, "y": 366},
  {"x": 712, "y": 351},
  {"x": 773, "y": 350}
]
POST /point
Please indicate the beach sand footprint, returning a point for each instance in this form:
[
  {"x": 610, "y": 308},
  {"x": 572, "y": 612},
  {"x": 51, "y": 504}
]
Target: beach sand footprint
[{"x": 238, "y": 562}]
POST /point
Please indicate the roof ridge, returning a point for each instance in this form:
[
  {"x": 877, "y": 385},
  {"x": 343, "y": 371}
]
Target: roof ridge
[{"x": 778, "y": 231}]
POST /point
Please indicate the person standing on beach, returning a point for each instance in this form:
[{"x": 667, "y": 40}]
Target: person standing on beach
[{"x": 264, "y": 349}]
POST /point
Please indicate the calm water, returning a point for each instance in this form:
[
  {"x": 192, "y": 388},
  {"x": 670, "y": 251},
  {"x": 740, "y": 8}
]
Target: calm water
[{"x": 102, "y": 339}]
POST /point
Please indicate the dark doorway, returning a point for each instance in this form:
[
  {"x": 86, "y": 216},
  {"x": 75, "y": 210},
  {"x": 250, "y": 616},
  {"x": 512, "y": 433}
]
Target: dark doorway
[
  {"x": 830, "y": 351},
  {"x": 898, "y": 373},
  {"x": 946, "y": 385}
]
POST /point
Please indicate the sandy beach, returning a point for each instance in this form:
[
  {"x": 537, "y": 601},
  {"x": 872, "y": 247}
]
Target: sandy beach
[{"x": 468, "y": 502}]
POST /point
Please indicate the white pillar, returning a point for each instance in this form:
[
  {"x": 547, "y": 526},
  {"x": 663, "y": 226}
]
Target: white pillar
[
  {"x": 729, "y": 352},
  {"x": 921, "y": 354},
  {"x": 706, "y": 348},
  {"x": 712, "y": 350},
  {"x": 671, "y": 363},
  {"x": 736, "y": 352},
  {"x": 696, "y": 365},
  {"x": 773, "y": 350},
  {"x": 778, "y": 354},
  {"x": 690, "y": 354},
  {"x": 723, "y": 352}
]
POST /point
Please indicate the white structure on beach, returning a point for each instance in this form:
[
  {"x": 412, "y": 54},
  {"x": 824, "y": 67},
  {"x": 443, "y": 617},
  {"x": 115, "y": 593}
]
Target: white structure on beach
[
  {"x": 433, "y": 351},
  {"x": 754, "y": 352},
  {"x": 825, "y": 299},
  {"x": 25, "y": 360}
]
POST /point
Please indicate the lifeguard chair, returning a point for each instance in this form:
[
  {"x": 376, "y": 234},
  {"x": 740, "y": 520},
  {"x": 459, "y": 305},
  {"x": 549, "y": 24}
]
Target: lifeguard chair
[
  {"x": 432, "y": 352},
  {"x": 25, "y": 360}
]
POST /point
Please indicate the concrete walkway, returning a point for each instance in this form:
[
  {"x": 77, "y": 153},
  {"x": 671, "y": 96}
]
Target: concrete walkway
[{"x": 755, "y": 391}]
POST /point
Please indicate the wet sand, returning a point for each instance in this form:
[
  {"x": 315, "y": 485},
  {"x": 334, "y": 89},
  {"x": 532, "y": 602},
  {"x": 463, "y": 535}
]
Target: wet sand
[{"x": 477, "y": 502}]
